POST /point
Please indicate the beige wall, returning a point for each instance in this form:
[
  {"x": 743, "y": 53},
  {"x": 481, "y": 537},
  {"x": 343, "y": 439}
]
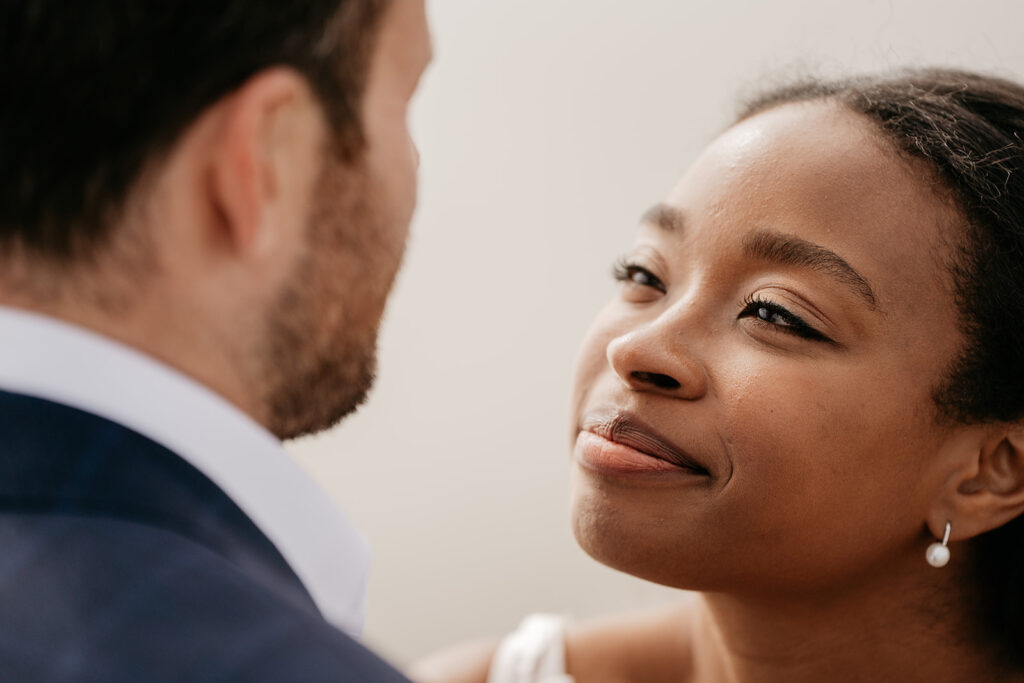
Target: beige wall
[{"x": 546, "y": 127}]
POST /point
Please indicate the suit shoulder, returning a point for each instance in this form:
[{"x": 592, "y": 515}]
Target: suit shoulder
[{"x": 94, "y": 598}]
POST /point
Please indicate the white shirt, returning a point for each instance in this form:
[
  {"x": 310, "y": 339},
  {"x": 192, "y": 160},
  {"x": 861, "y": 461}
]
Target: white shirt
[
  {"x": 43, "y": 357},
  {"x": 533, "y": 653}
]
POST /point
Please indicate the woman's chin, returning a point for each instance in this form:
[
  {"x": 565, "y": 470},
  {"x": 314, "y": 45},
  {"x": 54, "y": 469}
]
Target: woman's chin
[{"x": 631, "y": 541}]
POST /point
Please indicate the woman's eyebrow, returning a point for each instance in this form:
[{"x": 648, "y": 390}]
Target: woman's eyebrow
[
  {"x": 788, "y": 250},
  {"x": 778, "y": 248}
]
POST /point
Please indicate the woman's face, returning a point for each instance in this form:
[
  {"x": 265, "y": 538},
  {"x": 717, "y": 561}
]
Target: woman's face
[{"x": 783, "y": 319}]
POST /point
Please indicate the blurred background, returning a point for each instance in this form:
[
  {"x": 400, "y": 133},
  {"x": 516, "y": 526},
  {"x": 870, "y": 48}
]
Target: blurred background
[{"x": 546, "y": 127}]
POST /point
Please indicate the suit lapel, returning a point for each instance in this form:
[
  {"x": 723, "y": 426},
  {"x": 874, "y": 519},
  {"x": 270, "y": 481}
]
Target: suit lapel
[{"x": 59, "y": 460}]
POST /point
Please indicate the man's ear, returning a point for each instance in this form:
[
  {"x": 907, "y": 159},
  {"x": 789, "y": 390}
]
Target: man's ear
[
  {"x": 988, "y": 490},
  {"x": 265, "y": 158}
]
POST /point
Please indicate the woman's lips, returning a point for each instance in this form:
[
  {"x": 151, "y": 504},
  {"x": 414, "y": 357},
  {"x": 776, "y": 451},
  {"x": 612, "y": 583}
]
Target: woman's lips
[{"x": 617, "y": 442}]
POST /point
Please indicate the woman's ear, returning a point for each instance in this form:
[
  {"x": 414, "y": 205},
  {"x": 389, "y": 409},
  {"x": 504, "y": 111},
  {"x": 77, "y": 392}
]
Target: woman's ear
[{"x": 987, "y": 491}]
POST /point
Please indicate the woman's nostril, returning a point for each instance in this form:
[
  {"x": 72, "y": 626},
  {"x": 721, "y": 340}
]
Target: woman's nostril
[{"x": 657, "y": 379}]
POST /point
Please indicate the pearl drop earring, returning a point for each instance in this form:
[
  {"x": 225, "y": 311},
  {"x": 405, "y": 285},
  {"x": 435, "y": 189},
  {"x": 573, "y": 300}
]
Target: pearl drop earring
[{"x": 938, "y": 553}]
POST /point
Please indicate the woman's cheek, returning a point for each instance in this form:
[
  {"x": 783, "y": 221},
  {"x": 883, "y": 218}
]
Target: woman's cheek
[{"x": 785, "y": 430}]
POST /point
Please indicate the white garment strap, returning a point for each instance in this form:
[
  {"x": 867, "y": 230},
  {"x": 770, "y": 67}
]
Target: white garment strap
[{"x": 534, "y": 653}]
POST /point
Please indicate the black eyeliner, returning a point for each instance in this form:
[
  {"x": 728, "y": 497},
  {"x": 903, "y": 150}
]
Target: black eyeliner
[{"x": 795, "y": 325}]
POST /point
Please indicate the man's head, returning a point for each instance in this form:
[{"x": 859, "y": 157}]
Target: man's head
[{"x": 226, "y": 186}]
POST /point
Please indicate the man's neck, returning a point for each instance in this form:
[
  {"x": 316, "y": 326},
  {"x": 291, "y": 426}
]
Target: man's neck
[{"x": 162, "y": 332}]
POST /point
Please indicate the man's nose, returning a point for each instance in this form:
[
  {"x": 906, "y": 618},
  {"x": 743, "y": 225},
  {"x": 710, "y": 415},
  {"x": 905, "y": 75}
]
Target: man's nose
[{"x": 655, "y": 358}]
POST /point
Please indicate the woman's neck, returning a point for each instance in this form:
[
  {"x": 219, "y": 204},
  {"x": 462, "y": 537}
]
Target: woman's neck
[{"x": 909, "y": 630}]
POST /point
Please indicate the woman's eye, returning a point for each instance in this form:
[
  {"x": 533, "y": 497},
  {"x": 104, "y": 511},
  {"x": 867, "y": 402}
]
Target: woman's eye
[
  {"x": 638, "y": 275},
  {"x": 771, "y": 313}
]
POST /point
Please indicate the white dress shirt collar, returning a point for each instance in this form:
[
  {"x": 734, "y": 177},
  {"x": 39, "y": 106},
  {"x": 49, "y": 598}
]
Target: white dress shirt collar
[{"x": 47, "y": 358}]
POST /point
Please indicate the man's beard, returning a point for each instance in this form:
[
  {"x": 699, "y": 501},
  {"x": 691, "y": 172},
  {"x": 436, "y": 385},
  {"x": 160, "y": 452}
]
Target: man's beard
[{"x": 319, "y": 352}]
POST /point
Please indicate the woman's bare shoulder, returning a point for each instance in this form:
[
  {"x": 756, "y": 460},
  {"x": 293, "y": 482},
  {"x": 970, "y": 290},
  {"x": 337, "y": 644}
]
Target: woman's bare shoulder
[
  {"x": 467, "y": 662},
  {"x": 651, "y": 646}
]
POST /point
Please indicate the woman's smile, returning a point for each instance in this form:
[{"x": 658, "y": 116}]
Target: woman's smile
[{"x": 615, "y": 442}]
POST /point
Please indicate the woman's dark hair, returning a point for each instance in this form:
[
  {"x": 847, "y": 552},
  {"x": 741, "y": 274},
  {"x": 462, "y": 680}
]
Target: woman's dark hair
[
  {"x": 95, "y": 91},
  {"x": 969, "y": 129}
]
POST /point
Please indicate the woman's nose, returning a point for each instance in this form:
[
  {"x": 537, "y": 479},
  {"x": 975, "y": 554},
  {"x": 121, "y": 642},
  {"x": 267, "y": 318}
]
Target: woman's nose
[{"x": 652, "y": 359}]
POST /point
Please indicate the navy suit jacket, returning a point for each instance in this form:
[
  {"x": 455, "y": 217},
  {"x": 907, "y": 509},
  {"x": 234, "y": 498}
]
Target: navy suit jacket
[{"x": 119, "y": 561}]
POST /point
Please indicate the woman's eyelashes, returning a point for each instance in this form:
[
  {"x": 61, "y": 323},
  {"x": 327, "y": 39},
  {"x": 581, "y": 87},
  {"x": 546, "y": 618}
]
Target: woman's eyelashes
[
  {"x": 765, "y": 312},
  {"x": 632, "y": 273},
  {"x": 780, "y": 319}
]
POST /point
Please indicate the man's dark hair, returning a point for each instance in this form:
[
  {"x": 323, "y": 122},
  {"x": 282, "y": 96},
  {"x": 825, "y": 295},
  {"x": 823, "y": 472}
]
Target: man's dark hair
[
  {"x": 969, "y": 129},
  {"x": 97, "y": 91}
]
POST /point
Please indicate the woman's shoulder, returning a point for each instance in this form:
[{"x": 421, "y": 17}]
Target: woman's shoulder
[
  {"x": 533, "y": 653},
  {"x": 651, "y": 646}
]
